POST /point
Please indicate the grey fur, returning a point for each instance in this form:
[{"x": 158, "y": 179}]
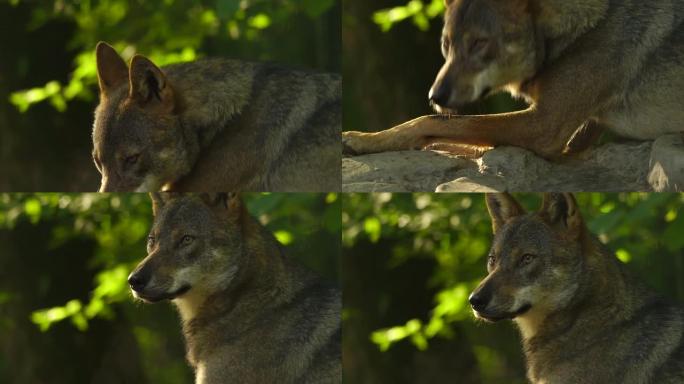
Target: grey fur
[
  {"x": 583, "y": 317},
  {"x": 250, "y": 314},
  {"x": 216, "y": 125}
]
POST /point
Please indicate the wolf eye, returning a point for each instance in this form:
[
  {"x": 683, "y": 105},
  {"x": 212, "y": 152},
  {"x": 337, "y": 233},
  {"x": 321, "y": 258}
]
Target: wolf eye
[
  {"x": 131, "y": 160},
  {"x": 526, "y": 259},
  {"x": 478, "y": 45},
  {"x": 186, "y": 240}
]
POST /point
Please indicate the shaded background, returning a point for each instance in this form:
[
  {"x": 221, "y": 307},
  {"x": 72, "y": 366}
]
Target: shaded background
[
  {"x": 391, "y": 58},
  {"x": 48, "y": 87},
  {"x": 66, "y": 314},
  {"x": 411, "y": 260}
]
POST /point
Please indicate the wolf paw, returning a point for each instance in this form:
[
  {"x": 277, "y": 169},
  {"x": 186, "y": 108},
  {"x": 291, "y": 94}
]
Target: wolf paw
[{"x": 353, "y": 143}]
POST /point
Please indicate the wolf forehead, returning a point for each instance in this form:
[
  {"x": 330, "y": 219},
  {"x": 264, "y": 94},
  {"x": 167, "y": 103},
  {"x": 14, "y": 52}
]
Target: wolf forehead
[
  {"x": 117, "y": 121},
  {"x": 462, "y": 13},
  {"x": 186, "y": 212},
  {"x": 523, "y": 231}
]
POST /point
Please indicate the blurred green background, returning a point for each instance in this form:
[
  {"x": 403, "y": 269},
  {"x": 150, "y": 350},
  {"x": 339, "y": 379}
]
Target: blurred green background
[
  {"x": 391, "y": 58},
  {"x": 66, "y": 314},
  {"x": 48, "y": 87},
  {"x": 411, "y": 260}
]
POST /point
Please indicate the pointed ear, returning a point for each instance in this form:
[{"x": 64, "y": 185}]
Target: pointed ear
[
  {"x": 560, "y": 211},
  {"x": 111, "y": 69},
  {"x": 229, "y": 202},
  {"x": 148, "y": 86},
  {"x": 502, "y": 207},
  {"x": 160, "y": 199}
]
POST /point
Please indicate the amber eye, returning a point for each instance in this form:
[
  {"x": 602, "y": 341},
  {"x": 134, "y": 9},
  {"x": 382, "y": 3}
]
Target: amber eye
[
  {"x": 527, "y": 258},
  {"x": 187, "y": 240},
  {"x": 131, "y": 160}
]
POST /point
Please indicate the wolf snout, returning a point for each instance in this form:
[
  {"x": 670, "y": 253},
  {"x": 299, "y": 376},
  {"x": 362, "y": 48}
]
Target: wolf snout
[
  {"x": 478, "y": 301},
  {"x": 138, "y": 281},
  {"x": 439, "y": 94}
]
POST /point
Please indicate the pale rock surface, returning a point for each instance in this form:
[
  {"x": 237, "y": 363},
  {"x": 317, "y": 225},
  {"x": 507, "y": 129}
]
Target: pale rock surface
[{"x": 612, "y": 167}]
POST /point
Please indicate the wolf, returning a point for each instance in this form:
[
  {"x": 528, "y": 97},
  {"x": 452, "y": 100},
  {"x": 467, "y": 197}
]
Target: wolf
[
  {"x": 215, "y": 125},
  {"x": 250, "y": 314},
  {"x": 582, "y": 316},
  {"x": 583, "y": 66}
]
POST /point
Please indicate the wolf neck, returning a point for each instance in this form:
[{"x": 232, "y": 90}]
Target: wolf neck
[
  {"x": 265, "y": 281},
  {"x": 206, "y": 107},
  {"x": 561, "y": 22},
  {"x": 603, "y": 297}
]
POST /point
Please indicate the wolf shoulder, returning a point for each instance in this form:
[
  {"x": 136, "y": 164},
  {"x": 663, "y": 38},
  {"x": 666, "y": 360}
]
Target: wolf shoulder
[{"x": 239, "y": 79}]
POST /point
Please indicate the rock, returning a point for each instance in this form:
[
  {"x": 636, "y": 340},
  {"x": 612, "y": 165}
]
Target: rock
[
  {"x": 406, "y": 171},
  {"x": 612, "y": 167},
  {"x": 667, "y": 164}
]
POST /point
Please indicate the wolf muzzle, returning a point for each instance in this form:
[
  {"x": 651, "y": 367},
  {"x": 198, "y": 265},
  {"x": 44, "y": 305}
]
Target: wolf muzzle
[
  {"x": 139, "y": 281},
  {"x": 480, "y": 300},
  {"x": 440, "y": 93}
]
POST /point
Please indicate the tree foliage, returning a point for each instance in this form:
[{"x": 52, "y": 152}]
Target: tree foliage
[
  {"x": 167, "y": 31},
  {"x": 418, "y": 11}
]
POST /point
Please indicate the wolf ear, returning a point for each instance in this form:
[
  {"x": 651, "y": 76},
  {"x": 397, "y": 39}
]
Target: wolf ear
[
  {"x": 148, "y": 86},
  {"x": 111, "y": 69},
  {"x": 502, "y": 207},
  {"x": 159, "y": 199},
  {"x": 228, "y": 200},
  {"x": 560, "y": 210}
]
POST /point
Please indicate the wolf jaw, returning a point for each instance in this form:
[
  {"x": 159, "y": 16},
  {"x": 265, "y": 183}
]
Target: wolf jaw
[{"x": 506, "y": 316}]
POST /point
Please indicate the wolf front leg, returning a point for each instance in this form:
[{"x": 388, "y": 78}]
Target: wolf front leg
[
  {"x": 567, "y": 93},
  {"x": 544, "y": 132},
  {"x": 490, "y": 130}
]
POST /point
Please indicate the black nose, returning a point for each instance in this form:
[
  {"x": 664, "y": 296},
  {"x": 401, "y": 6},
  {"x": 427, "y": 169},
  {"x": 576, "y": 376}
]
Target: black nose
[
  {"x": 137, "y": 281},
  {"x": 439, "y": 94},
  {"x": 478, "y": 301}
]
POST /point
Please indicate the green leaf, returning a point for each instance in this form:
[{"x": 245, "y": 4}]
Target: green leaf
[
  {"x": 284, "y": 237},
  {"x": 373, "y": 228},
  {"x": 260, "y": 21}
]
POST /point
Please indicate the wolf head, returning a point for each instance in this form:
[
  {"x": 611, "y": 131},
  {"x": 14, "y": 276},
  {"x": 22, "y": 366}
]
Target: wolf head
[
  {"x": 535, "y": 261},
  {"x": 138, "y": 140},
  {"x": 195, "y": 247},
  {"x": 487, "y": 45}
]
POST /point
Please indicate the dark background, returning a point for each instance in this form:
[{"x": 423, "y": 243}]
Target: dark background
[
  {"x": 411, "y": 260},
  {"x": 66, "y": 313},
  {"x": 47, "y": 146}
]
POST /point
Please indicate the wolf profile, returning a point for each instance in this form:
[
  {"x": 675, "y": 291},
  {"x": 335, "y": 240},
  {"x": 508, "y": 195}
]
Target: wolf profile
[
  {"x": 583, "y": 66},
  {"x": 215, "y": 125},
  {"x": 250, "y": 314},
  {"x": 582, "y": 316}
]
